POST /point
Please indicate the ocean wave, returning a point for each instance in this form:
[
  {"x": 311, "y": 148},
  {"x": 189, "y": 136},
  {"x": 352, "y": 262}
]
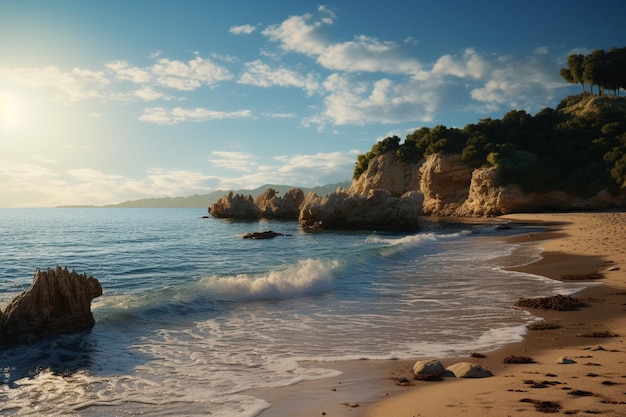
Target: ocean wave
[
  {"x": 415, "y": 240},
  {"x": 307, "y": 277}
]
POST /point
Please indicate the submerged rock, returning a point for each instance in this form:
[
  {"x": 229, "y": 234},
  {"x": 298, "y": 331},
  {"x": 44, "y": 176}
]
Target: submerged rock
[
  {"x": 268, "y": 234},
  {"x": 58, "y": 302}
]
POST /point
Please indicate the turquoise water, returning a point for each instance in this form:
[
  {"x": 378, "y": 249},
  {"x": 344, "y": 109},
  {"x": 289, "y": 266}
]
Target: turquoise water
[{"x": 193, "y": 315}]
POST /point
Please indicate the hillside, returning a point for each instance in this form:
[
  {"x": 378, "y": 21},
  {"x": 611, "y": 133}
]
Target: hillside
[{"x": 205, "y": 200}]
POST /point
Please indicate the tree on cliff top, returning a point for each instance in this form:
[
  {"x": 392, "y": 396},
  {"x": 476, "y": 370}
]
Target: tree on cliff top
[
  {"x": 606, "y": 70},
  {"x": 580, "y": 147}
]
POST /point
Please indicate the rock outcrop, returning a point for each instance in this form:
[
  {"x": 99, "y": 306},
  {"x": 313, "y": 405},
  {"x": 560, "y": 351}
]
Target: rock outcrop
[
  {"x": 235, "y": 206},
  {"x": 469, "y": 370},
  {"x": 386, "y": 172},
  {"x": 392, "y": 194},
  {"x": 268, "y": 234},
  {"x": 378, "y": 209},
  {"x": 450, "y": 187},
  {"x": 267, "y": 205},
  {"x": 271, "y": 206},
  {"x": 445, "y": 182},
  {"x": 58, "y": 302}
]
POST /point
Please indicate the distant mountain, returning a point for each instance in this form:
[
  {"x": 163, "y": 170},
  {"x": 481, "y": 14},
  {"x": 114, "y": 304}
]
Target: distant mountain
[{"x": 205, "y": 200}]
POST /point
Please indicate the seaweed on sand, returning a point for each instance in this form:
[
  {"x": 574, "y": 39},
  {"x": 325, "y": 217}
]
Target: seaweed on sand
[{"x": 555, "y": 302}]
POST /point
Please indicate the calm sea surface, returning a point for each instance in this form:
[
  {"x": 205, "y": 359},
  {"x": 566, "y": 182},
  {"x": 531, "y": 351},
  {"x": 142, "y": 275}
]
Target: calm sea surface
[{"x": 193, "y": 315}]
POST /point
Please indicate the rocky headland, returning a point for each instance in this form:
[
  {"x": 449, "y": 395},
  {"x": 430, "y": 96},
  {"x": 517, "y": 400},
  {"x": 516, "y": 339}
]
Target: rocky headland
[
  {"x": 392, "y": 195},
  {"x": 565, "y": 159}
]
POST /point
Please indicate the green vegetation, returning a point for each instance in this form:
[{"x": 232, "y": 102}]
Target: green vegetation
[
  {"x": 606, "y": 70},
  {"x": 579, "y": 147}
]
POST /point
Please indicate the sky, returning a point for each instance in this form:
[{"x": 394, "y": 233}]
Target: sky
[{"x": 108, "y": 101}]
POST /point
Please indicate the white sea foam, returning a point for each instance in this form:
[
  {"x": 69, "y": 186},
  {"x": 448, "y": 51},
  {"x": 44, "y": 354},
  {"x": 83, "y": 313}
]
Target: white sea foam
[
  {"x": 192, "y": 317},
  {"x": 307, "y": 277}
]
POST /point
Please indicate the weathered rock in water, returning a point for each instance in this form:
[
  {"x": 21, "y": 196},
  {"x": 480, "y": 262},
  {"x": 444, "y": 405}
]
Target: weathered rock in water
[
  {"x": 287, "y": 207},
  {"x": 377, "y": 210},
  {"x": 58, "y": 302},
  {"x": 268, "y": 234},
  {"x": 235, "y": 206}
]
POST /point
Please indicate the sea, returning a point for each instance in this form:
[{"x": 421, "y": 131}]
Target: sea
[{"x": 193, "y": 316}]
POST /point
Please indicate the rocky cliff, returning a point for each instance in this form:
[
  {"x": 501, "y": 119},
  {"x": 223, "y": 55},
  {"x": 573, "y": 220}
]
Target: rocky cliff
[
  {"x": 451, "y": 187},
  {"x": 392, "y": 194},
  {"x": 377, "y": 209},
  {"x": 58, "y": 302}
]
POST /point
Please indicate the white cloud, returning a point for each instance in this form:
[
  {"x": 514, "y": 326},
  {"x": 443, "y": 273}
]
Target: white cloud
[
  {"x": 296, "y": 35},
  {"x": 367, "y": 54},
  {"x": 519, "y": 82},
  {"x": 123, "y": 71},
  {"x": 470, "y": 65},
  {"x": 315, "y": 169},
  {"x": 238, "y": 161},
  {"x": 383, "y": 101},
  {"x": 242, "y": 30},
  {"x": 187, "y": 76},
  {"x": 362, "y": 54},
  {"x": 34, "y": 185},
  {"x": 260, "y": 74},
  {"x": 67, "y": 87},
  {"x": 297, "y": 170},
  {"x": 150, "y": 94},
  {"x": 163, "y": 116},
  {"x": 463, "y": 82},
  {"x": 280, "y": 115}
]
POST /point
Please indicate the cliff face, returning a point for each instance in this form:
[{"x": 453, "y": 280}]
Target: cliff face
[
  {"x": 377, "y": 209},
  {"x": 450, "y": 187},
  {"x": 387, "y": 173}
]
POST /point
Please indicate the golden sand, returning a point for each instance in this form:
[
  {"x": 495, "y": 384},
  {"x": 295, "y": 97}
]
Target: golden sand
[{"x": 595, "y": 384}]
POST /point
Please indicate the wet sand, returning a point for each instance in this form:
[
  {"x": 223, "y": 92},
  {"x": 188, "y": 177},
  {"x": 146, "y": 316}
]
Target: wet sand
[
  {"x": 577, "y": 243},
  {"x": 595, "y": 384}
]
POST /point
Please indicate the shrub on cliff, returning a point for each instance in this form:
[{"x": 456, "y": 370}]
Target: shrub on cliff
[{"x": 579, "y": 148}]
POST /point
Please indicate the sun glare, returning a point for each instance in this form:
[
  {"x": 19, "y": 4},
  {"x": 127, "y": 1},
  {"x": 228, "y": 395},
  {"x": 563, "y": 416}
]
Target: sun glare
[{"x": 12, "y": 111}]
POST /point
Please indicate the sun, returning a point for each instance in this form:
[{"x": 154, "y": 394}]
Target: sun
[{"x": 12, "y": 111}]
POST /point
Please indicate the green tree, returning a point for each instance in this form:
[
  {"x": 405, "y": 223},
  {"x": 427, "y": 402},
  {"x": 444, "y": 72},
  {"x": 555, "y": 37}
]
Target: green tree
[
  {"x": 594, "y": 70},
  {"x": 574, "y": 73}
]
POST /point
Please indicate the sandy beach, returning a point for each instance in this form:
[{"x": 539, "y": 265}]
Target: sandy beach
[
  {"x": 575, "y": 243},
  {"x": 593, "y": 337}
]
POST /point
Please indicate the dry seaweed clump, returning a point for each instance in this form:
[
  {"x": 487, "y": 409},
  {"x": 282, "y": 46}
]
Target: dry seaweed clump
[
  {"x": 543, "y": 406},
  {"x": 598, "y": 334},
  {"x": 543, "y": 326},
  {"x": 582, "y": 277},
  {"x": 555, "y": 302},
  {"x": 518, "y": 359}
]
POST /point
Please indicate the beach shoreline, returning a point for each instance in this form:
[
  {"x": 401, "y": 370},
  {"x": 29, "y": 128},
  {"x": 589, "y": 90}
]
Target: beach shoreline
[{"x": 574, "y": 243}]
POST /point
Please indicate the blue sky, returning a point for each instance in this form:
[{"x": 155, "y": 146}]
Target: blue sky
[{"x": 107, "y": 101}]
